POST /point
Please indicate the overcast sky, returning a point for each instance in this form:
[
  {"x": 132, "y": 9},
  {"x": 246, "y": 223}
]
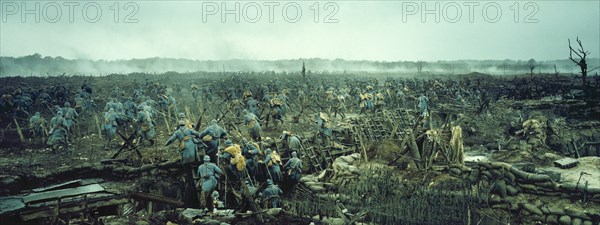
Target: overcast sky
[{"x": 369, "y": 30}]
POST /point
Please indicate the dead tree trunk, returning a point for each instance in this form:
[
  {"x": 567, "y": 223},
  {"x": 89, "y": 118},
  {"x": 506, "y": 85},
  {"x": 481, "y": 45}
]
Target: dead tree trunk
[{"x": 581, "y": 53}]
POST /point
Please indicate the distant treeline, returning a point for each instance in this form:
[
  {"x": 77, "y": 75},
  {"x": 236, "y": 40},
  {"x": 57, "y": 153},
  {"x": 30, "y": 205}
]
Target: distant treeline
[{"x": 36, "y": 65}]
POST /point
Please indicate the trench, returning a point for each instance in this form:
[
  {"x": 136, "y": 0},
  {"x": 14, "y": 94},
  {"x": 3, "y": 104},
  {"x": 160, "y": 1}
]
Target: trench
[{"x": 382, "y": 198}]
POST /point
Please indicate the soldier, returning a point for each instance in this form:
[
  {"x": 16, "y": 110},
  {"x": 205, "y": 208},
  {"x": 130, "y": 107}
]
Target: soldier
[
  {"x": 147, "y": 124},
  {"x": 187, "y": 146},
  {"x": 290, "y": 142},
  {"x": 129, "y": 108},
  {"x": 195, "y": 92},
  {"x": 115, "y": 92},
  {"x": 379, "y": 101},
  {"x": 58, "y": 133},
  {"x": 273, "y": 163},
  {"x": 110, "y": 126},
  {"x": 188, "y": 122},
  {"x": 250, "y": 151},
  {"x": 247, "y": 95},
  {"x": 209, "y": 174},
  {"x": 79, "y": 103},
  {"x": 211, "y": 137},
  {"x": 86, "y": 87},
  {"x": 70, "y": 115},
  {"x": 188, "y": 150},
  {"x": 366, "y": 102},
  {"x": 111, "y": 104},
  {"x": 37, "y": 125},
  {"x": 294, "y": 169},
  {"x": 237, "y": 163},
  {"x": 400, "y": 97},
  {"x": 252, "y": 106},
  {"x": 277, "y": 110},
  {"x": 459, "y": 99},
  {"x": 423, "y": 105},
  {"x": 340, "y": 107},
  {"x": 324, "y": 128},
  {"x": 253, "y": 123},
  {"x": 272, "y": 194},
  {"x": 216, "y": 202}
]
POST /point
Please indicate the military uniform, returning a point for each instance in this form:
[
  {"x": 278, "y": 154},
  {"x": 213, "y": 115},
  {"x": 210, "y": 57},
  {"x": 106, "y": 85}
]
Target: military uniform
[
  {"x": 146, "y": 130},
  {"x": 272, "y": 194},
  {"x": 70, "y": 115},
  {"x": 253, "y": 123},
  {"x": 110, "y": 125},
  {"x": 250, "y": 151},
  {"x": 209, "y": 174},
  {"x": 211, "y": 137},
  {"x": 37, "y": 125},
  {"x": 273, "y": 163},
  {"x": 58, "y": 133},
  {"x": 237, "y": 162},
  {"x": 293, "y": 168},
  {"x": 187, "y": 146}
]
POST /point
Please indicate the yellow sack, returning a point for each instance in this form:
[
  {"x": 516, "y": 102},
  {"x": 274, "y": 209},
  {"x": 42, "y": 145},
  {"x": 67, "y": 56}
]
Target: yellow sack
[
  {"x": 234, "y": 150},
  {"x": 208, "y": 137},
  {"x": 239, "y": 161},
  {"x": 145, "y": 127},
  {"x": 182, "y": 142},
  {"x": 276, "y": 101},
  {"x": 275, "y": 158}
]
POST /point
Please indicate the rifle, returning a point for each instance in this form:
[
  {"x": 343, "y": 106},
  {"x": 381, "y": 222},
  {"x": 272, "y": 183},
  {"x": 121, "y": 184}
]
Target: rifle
[{"x": 199, "y": 122}]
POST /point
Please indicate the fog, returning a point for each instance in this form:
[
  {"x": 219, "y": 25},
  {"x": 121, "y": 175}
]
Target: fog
[
  {"x": 38, "y": 65},
  {"x": 359, "y": 30}
]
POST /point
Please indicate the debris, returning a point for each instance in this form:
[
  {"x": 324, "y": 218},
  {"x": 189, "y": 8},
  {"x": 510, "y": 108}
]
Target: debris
[{"x": 566, "y": 163}]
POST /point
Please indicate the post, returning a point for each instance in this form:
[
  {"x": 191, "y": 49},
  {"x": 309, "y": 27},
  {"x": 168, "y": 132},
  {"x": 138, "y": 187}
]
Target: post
[{"x": 19, "y": 131}]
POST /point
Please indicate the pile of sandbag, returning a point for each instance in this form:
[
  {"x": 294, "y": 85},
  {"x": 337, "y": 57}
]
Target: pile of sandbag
[
  {"x": 315, "y": 183},
  {"x": 534, "y": 131},
  {"x": 344, "y": 167}
]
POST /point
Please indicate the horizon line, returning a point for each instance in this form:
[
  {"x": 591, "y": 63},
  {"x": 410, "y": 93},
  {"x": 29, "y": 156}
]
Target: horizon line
[{"x": 286, "y": 59}]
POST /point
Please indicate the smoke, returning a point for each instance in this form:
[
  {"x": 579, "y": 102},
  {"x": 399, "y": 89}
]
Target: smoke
[{"x": 37, "y": 65}]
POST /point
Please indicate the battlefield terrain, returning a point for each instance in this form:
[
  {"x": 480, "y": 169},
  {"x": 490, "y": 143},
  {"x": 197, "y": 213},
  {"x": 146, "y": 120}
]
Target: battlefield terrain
[{"x": 513, "y": 149}]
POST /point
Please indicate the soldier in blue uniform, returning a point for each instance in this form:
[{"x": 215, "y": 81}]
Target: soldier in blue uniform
[
  {"x": 37, "y": 125},
  {"x": 211, "y": 137},
  {"x": 147, "y": 124},
  {"x": 250, "y": 152},
  {"x": 253, "y": 123},
  {"x": 70, "y": 115},
  {"x": 187, "y": 146},
  {"x": 110, "y": 126},
  {"x": 58, "y": 134},
  {"x": 272, "y": 194},
  {"x": 293, "y": 168},
  {"x": 273, "y": 163}
]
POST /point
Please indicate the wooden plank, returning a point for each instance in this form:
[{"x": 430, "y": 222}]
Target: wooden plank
[
  {"x": 53, "y": 187},
  {"x": 75, "y": 209},
  {"x": 10, "y": 204},
  {"x": 156, "y": 198},
  {"x": 49, "y": 195}
]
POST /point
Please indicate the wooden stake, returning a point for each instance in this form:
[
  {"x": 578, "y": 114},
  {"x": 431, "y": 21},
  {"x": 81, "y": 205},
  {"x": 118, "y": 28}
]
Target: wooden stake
[
  {"x": 98, "y": 126},
  {"x": 20, "y": 132}
]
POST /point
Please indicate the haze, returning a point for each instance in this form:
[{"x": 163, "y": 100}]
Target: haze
[{"x": 366, "y": 30}]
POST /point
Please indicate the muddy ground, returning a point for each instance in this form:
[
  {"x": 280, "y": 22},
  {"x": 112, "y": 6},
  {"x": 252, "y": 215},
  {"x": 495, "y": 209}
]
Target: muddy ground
[{"x": 488, "y": 136}]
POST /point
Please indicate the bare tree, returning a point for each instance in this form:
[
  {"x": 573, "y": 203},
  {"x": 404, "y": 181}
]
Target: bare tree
[
  {"x": 581, "y": 53},
  {"x": 531, "y": 64}
]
